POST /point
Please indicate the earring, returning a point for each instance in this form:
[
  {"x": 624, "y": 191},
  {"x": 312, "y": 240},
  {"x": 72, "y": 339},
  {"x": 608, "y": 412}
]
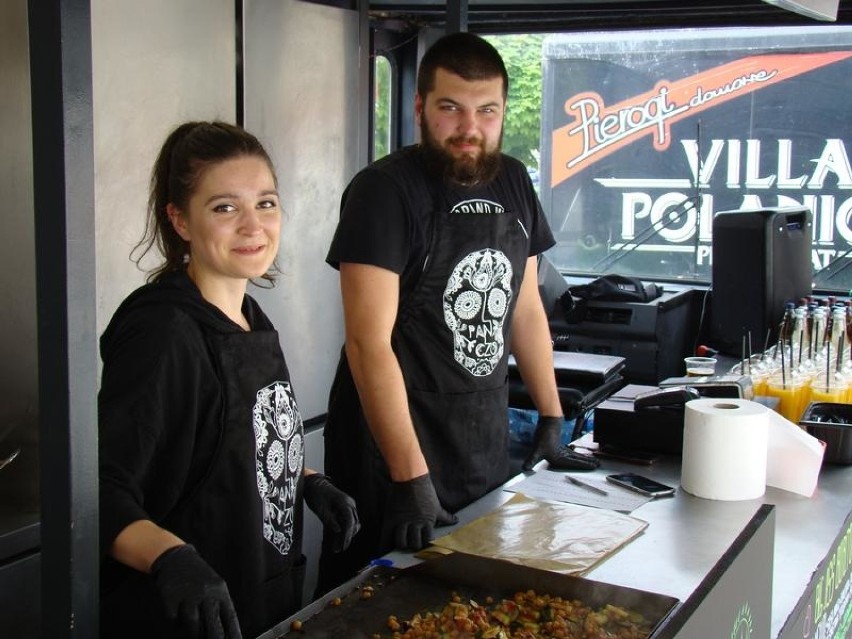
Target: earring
[{"x": 186, "y": 258}]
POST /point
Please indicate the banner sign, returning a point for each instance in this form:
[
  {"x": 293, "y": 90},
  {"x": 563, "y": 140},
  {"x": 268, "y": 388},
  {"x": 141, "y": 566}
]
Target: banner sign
[{"x": 646, "y": 137}]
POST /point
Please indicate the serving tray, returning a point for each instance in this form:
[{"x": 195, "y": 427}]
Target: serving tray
[{"x": 361, "y": 607}]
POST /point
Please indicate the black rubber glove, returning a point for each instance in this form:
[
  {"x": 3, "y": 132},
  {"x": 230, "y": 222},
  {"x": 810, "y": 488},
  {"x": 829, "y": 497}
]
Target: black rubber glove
[
  {"x": 413, "y": 511},
  {"x": 335, "y": 509},
  {"x": 547, "y": 445},
  {"x": 195, "y": 597}
]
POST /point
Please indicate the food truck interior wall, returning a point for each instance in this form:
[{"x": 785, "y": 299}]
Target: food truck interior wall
[{"x": 295, "y": 73}]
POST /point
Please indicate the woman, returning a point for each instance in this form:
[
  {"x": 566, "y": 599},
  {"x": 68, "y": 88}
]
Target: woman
[{"x": 201, "y": 442}]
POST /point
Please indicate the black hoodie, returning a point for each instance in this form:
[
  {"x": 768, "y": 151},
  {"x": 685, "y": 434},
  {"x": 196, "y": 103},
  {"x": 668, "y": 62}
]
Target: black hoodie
[
  {"x": 161, "y": 401},
  {"x": 200, "y": 433}
]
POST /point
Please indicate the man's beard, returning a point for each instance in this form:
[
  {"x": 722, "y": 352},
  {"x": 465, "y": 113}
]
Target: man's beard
[{"x": 464, "y": 170}]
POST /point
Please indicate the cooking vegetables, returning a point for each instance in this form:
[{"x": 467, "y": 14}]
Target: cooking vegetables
[{"x": 527, "y": 615}]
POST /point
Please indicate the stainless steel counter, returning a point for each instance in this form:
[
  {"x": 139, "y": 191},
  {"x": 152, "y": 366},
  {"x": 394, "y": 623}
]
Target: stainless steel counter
[{"x": 687, "y": 535}]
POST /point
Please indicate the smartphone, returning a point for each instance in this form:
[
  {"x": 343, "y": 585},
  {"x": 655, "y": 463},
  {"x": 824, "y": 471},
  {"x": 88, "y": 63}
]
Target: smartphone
[{"x": 641, "y": 484}]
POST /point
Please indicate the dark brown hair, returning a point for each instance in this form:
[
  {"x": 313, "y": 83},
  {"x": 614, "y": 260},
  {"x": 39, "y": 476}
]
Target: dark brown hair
[
  {"x": 188, "y": 151},
  {"x": 465, "y": 54}
]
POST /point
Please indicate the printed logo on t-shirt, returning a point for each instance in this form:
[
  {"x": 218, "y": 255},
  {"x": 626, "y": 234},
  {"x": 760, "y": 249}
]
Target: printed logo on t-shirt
[
  {"x": 279, "y": 447},
  {"x": 476, "y": 301},
  {"x": 478, "y": 207}
]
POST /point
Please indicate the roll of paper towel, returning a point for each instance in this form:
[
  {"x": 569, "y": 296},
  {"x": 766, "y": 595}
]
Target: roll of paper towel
[{"x": 724, "y": 448}]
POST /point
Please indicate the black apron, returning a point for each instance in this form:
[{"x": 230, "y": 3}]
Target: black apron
[
  {"x": 452, "y": 341},
  {"x": 245, "y": 516}
]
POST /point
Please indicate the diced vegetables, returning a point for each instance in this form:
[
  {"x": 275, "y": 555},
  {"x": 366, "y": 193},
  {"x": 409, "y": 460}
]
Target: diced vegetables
[{"x": 527, "y": 615}]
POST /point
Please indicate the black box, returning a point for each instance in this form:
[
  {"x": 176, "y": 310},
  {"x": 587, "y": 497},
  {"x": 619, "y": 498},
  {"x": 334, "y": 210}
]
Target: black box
[
  {"x": 582, "y": 381},
  {"x": 654, "y": 430},
  {"x": 653, "y": 337},
  {"x": 761, "y": 260},
  {"x": 831, "y": 423},
  {"x": 726, "y": 385}
]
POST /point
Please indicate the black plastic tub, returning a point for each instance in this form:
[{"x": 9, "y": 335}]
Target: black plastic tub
[{"x": 831, "y": 423}]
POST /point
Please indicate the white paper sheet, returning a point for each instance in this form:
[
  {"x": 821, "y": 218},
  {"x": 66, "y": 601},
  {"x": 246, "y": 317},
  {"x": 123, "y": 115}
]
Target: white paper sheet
[{"x": 547, "y": 484}]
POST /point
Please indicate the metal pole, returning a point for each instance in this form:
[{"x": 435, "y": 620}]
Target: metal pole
[
  {"x": 63, "y": 185},
  {"x": 457, "y": 16}
]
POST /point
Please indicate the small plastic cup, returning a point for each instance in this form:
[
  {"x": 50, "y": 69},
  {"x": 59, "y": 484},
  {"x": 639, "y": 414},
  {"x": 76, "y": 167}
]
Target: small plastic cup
[
  {"x": 833, "y": 389},
  {"x": 792, "y": 393},
  {"x": 700, "y": 366},
  {"x": 759, "y": 379},
  {"x": 756, "y": 370}
]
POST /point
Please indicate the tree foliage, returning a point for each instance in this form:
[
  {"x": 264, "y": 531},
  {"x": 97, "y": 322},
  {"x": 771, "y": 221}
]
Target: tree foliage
[
  {"x": 381, "y": 107},
  {"x": 522, "y": 129}
]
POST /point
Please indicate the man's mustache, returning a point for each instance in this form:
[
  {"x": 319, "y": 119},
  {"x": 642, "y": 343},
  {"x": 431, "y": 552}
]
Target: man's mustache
[{"x": 460, "y": 139}]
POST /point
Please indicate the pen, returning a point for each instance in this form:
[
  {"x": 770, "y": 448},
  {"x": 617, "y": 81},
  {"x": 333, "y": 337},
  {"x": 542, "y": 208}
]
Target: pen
[{"x": 582, "y": 484}]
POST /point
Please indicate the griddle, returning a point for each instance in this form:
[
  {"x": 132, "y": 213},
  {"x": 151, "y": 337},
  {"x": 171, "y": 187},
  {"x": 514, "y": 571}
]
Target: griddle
[{"x": 431, "y": 585}]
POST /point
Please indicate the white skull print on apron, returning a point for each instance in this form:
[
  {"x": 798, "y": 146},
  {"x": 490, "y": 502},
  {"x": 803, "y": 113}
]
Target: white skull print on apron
[
  {"x": 279, "y": 448},
  {"x": 451, "y": 339},
  {"x": 251, "y": 495}
]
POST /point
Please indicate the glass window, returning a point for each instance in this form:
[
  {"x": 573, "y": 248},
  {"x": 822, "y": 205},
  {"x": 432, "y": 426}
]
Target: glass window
[
  {"x": 522, "y": 54},
  {"x": 381, "y": 107},
  {"x": 645, "y": 135}
]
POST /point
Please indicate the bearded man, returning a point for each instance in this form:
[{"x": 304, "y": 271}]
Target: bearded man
[{"x": 437, "y": 249}]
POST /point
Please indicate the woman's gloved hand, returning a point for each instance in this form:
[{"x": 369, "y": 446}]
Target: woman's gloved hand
[
  {"x": 335, "y": 509},
  {"x": 195, "y": 597},
  {"x": 413, "y": 511},
  {"x": 547, "y": 445}
]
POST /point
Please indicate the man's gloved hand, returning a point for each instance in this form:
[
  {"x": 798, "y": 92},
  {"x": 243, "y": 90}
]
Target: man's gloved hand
[
  {"x": 195, "y": 597},
  {"x": 335, "y": 509},
  {"x": 546, "y": 440},
  {"x": 547, "y": 445},
  {"x": 413, "y": 511}
]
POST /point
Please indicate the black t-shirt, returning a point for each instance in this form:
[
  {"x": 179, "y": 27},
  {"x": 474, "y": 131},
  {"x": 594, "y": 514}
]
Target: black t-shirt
[{"x": 381, "y": 224}]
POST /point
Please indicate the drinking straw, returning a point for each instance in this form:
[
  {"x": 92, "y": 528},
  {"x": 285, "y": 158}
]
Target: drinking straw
[
  {"x": 811, "y": 341},
  {"x": 749, "y": 352},
  {"x": 840, "y": 345},
  {"x": 743, "y": 360},
  {"x": 849, "y": 333},
  {"x": 828, "y": 368},
  {"x": 783, "y": 372},
  {"x": 791, "y": 352},
  {"x": 801, "y": 339},
  {"x": 766, "y": 344}
]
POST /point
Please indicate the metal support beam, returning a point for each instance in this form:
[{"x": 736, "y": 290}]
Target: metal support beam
[
  {"x": 365, "y": 74},
  {"x": 457, "y": 16},
  {"x": 240, "y": 51},
  {"x": 63, "y": 185}
]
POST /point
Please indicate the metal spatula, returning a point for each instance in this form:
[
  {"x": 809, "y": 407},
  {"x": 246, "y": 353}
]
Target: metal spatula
[{"x": 8, "y": 460}]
